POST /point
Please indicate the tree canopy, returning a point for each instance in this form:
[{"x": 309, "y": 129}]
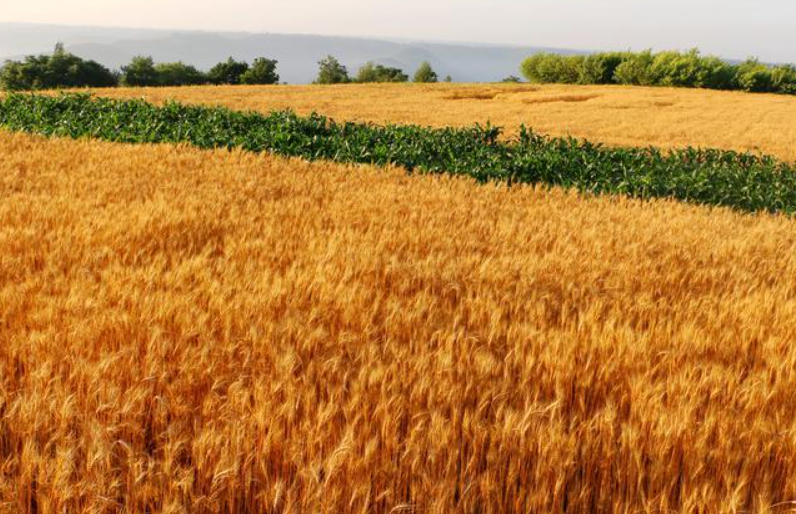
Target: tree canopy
[
  {"x": 59, "y": 70},
  {"x": 262, "y": 71},
  {"x": 425, "y": 73},
  {"x": 330, "y": 71}
]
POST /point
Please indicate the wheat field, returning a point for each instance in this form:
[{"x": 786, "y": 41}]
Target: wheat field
[
  {"x": 192, "y": 331},
  {"x": 615, "y": 115}
]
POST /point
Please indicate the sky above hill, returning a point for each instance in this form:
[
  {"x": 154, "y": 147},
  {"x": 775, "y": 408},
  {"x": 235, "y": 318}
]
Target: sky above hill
[{"x": 730, "y": 28}]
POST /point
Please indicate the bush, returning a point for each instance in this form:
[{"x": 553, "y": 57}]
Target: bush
[
  {"x": 330, "y": 71},
  {"x": 229, "y": 72},
  {"x": 59, "y": 70},
  {"x": 262, "y": 71},
  {"x": 425, "y": 74}
]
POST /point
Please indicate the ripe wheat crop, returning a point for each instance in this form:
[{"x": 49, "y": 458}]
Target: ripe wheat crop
[
  {"x": 616, "y": 115},
  {"x": 211, "y": 331}
]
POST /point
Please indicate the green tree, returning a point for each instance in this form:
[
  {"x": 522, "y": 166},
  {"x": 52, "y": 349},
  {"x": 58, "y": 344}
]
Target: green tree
[
  {"x": 511, "y": 79},
  {"x": 178, "y": 74},
  {"x": 636, "y": 70},
  {"x": 553, "y": 68},
  {"x": 755, "y": 77},
  {"x": 690, "y": 69},
  {"x": 12, "y": 77},
  {"x": 367, "y": 73},
  {"x": 262, "y": 71},
  {"x": 140, "y": 72},
  {"x": 784, "y": 79},
  {"x": 59, "y": 70},
  {"x": 600, "y": 68},
  {"x": 372, "y": 72},
  {"x": 229, "y": 72},
  {"x": 426, "y": 74},
  {"x": 534, "y": 68},
  {"x": 675, "y": 69},
  {"x": 330, "y": 71},
  {"x": 448, "y": 79},
  {"x": 717, "y": 74}
]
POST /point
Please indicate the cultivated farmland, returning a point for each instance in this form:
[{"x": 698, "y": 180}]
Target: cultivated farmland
[
  {"x": 710, "y": 177},
  {"x": 617, "y": 115},
  {"x": 185, "y": 330}
]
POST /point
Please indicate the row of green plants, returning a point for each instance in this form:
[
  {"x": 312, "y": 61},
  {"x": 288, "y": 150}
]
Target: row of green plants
[
  {"x": 673, "y": 69},
  {"x": 62, "y": 69},
  {"x": 742, "y": 181}
]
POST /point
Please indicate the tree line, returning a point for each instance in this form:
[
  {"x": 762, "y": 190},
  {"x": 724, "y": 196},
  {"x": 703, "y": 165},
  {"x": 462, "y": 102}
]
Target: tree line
[
  {"x": 673, "y": 69},
  {"x": 331, "y": 71},
  {"x": 63, "y": 69},
  {"x": 66, "y": 70}
]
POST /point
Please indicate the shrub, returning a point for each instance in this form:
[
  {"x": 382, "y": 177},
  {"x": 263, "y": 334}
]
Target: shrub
[
  {"x": 426, "y": 74},
  {"x": 262, "y": 71}
]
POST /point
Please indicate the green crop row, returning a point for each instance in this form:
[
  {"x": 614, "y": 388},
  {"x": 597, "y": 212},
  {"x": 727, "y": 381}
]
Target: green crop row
[{"x": 714, "y": 177}]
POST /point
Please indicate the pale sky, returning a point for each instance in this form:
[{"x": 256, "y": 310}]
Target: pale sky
[{"x": 730, "y": 28}]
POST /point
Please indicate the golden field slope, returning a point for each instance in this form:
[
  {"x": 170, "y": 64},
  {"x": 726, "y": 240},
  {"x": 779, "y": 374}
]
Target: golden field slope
[
  {"x": 188, "y": 331},
  {"x": 616, "y": 115}
]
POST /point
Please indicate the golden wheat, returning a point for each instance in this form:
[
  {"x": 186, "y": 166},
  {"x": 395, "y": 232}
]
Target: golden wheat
[
  {"x": 616, "y": 115},
  {"x": 189, "y": 331}
]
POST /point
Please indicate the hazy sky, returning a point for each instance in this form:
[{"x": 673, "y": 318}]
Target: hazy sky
[{"x": 731, "y": 28}]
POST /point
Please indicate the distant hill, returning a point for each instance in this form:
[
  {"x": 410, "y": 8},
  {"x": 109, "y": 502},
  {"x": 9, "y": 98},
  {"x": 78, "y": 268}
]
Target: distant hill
[{"x": 297, "y": 54}]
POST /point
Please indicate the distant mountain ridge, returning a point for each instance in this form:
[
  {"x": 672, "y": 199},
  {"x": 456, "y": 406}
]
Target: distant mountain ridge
[{"x": 298, "y": 55}]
